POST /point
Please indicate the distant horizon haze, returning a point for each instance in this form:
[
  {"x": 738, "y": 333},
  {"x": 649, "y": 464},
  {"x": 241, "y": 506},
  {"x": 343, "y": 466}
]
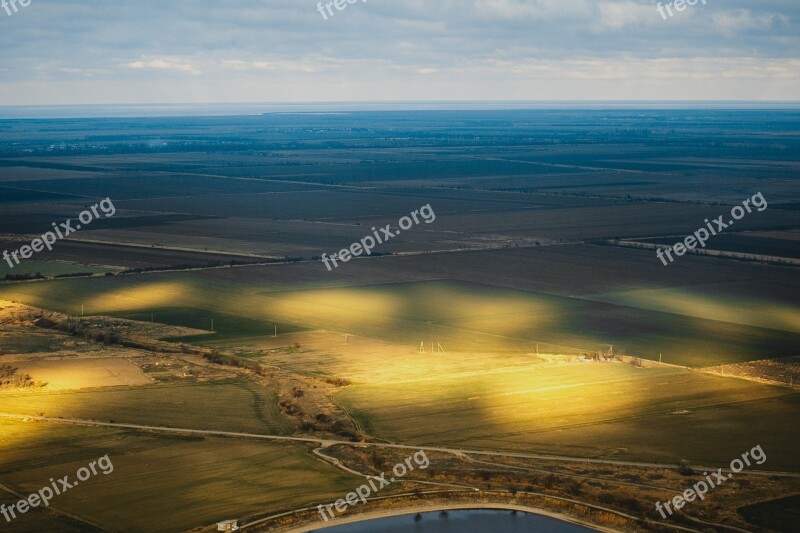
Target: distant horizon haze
[{"x": 221, "y": 109}]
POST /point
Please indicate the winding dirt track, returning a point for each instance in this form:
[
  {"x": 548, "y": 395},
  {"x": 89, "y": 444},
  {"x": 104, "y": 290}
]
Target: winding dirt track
[{"x": 330, "y": 442}]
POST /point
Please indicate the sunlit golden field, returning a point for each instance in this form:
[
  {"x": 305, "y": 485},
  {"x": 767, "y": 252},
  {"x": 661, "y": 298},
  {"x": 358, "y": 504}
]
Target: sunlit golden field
[
  {"x": 479, "y": 382},
  {"x": 686, "y": 328},
  {"x": 83, "y": 373},
  {"x": 226, "y": 406},
  {"x": 434, "y": 361},
  {"x": 521, "y": 403}
]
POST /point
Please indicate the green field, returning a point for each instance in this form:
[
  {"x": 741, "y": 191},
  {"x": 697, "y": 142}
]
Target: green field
[
  {"x": 517, "y": 402},
  {"x": 687, "y": 329},
  {"x": 30, "y": 342},
  {"x": 237, "y": 405},
  {"x": 610, "y": 410},
  {"x": 505, "y": 291},
  {"x": 778, "y": 515},
  {"x": 226, "y": 326},
  {"x": 167, "y": 483},
  {"x": 49, "y": 268}
]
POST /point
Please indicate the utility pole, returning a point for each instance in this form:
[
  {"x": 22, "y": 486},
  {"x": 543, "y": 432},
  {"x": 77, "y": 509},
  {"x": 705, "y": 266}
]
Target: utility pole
[
  {"x": 212, "y": 324},
  {"x": 81, "y": 309}
]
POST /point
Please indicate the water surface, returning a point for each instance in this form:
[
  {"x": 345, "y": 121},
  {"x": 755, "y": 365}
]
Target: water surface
[{"x": 461, "y": 521}]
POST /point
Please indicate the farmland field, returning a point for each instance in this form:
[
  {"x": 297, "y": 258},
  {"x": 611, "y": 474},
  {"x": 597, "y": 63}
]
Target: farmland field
[
  {"x": 686, "y": 326},
  {"x": 96, "y": 372},
  {"x": 178, "y": 480},
  {"x": 220, "y": 406},
  {"x": 592, "y": 410},
  {"x": 511, "y": 324},
  {"x": 514, "y": 402}
]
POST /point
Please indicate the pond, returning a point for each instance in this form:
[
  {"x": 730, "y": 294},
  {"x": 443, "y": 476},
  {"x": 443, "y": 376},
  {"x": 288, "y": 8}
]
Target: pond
[{"x": 461, "y": 521}]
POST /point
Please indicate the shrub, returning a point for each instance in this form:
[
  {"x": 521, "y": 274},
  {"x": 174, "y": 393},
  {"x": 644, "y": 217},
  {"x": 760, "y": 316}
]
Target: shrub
[{"x": 574, "y": 487}]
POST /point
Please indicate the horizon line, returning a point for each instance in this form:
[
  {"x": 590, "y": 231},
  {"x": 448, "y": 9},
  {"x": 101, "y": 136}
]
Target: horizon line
[
  {"x": 233, "y": 109},
  {"x": 366, "y": 102}
]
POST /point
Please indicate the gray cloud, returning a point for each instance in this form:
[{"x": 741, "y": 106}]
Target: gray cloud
[{"x": 104, "y": 51}]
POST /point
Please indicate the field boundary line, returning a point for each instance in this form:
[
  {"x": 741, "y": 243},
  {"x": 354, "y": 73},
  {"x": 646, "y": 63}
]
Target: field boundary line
[
  {"x": 55, "y": 509},
  {"x": 774, "y": 260},
  {"x": 332, "y": 442}
]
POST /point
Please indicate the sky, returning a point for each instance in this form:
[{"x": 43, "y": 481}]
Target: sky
[{"x": 60, "y": 52}]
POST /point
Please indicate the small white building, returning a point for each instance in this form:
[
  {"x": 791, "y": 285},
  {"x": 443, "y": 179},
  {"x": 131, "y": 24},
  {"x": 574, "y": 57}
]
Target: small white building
[{"x": 228, "y": 525}]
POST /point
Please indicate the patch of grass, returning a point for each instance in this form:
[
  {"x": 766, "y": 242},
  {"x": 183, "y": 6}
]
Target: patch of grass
[
  {"x": 224, "y": 406},
  {"x": 777, "y": 515},
  {"x": 572, "y": 410},
  {"x": 49, "y": 269},
  {"x": 180, "y": 482},
  {"x": 461, "y": 316},
  {"x": 226, "y": 326}
]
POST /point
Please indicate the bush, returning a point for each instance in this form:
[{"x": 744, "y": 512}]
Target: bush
[
  {"x": 75, "y": 275},
  {"x": 338, "y": 382},
  {"x": 45, "y": 323},
  {"x": 10, "y": 379},
  {"x": 23, "y": 277},
  {"x": 574, "y": 487},
  {"x": 219, "y": 358},
  {"x": 376, "y": 460},
  {"x": 622, "y": 500},
  {"x": 606, "y": 497}
]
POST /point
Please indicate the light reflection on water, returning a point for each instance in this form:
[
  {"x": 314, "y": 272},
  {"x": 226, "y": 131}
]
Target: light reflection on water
[{"x": 461, "y": 521}]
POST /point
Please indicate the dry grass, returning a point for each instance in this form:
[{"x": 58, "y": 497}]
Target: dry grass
[{"x": 85, "y": 373}]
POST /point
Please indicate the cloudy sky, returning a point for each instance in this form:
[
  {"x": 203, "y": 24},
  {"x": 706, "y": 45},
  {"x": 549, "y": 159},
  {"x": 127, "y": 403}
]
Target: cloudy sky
[{"x": 196, "y": 51}]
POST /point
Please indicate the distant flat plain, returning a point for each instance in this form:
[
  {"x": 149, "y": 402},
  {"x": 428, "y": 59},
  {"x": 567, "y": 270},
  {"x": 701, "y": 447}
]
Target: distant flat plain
[{"x": 516, "y": 262}]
